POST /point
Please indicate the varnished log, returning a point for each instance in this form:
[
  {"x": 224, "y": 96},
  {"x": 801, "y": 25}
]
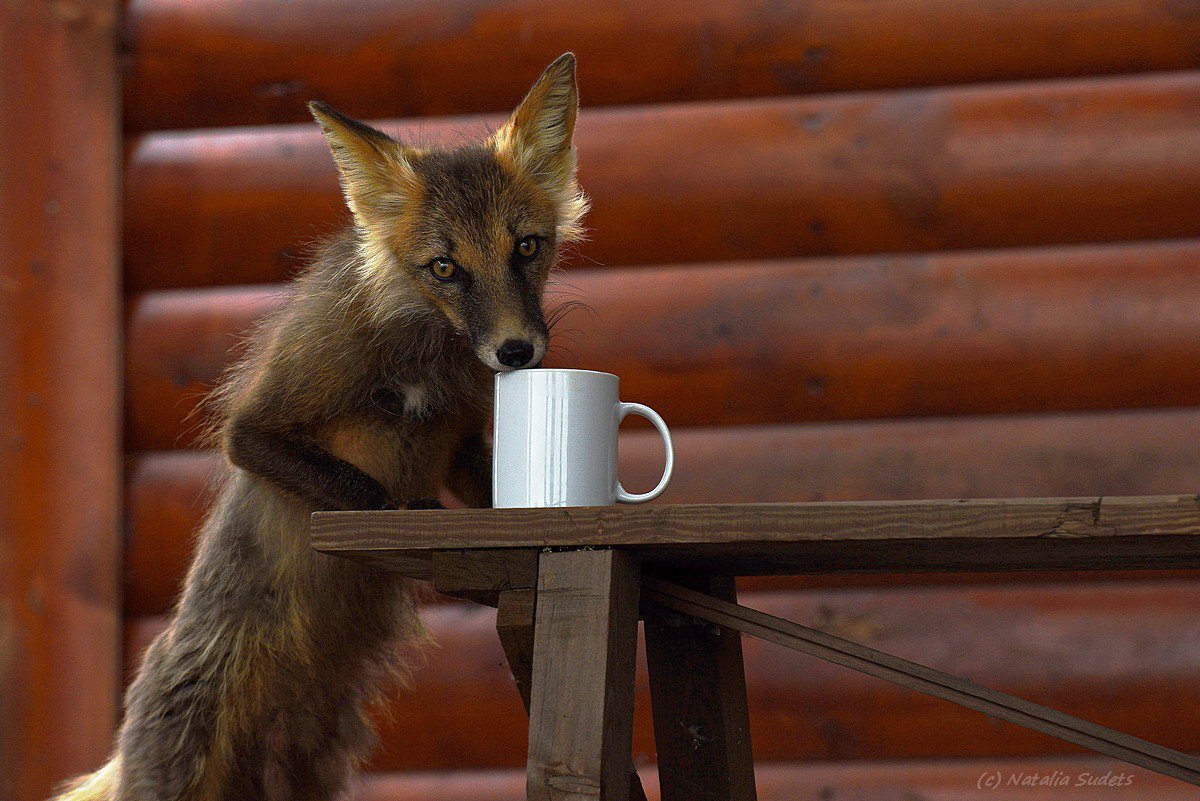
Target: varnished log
[
  {"x": 1123, "y": 655},
  {"x": 166, "y": 498},
  {"x": 1061, "y": 778},
  {"x": 769, "y": 342},
  {"x": 1011, "y": 165},
  {"x": 217, "y": 62},
  {"x": 60, "y": 472}
]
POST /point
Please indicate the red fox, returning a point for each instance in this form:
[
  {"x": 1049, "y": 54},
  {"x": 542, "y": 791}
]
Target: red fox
[{"x": 369, "y": 389}]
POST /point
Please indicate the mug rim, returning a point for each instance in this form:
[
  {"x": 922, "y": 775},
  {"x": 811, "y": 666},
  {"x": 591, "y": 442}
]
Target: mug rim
[{"x": 554, "y": 370}]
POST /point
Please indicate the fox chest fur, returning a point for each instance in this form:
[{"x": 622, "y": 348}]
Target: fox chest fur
[{"x": 407, "y": 436}]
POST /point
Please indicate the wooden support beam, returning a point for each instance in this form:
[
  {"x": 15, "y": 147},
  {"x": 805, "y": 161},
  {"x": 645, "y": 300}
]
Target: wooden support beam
[
  {"x": 483, "y": 576},
  {"x": 1101, "y": 739},
  {"x": 581, "y": 704},
  {"x": 698, "y": 692},
  {"x": 60, "y": 379}
]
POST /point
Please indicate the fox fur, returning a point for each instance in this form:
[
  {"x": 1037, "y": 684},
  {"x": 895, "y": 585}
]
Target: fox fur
[{"x": 370, "y": 388}]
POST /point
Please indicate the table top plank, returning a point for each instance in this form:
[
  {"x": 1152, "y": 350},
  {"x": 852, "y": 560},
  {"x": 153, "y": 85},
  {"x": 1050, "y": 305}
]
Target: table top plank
[{"x": 1144, "y": 532}]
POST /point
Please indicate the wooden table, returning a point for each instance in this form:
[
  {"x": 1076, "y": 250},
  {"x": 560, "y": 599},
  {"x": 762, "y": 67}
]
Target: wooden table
[{"x": 571, "y": 584}]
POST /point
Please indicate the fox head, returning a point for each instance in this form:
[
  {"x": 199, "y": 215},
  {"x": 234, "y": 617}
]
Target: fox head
[{"x": 468, "y": 233}]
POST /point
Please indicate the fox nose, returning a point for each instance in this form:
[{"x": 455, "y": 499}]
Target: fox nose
[{"x": 514, "y": 353}]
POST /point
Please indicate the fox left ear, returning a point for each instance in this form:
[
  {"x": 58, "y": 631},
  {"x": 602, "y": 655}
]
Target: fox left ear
[
  {"x": 538, "y": 139},
  {"x": 377, "y": 178}
]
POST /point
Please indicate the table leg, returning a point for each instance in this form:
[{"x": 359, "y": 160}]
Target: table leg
[
  {"x": 581, "y": 694},
  {"x": 514, "y": 624},
  {"x": 698, "y": 694}
]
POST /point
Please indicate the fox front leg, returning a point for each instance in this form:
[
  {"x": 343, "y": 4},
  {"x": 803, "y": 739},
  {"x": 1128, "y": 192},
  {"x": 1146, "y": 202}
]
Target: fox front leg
[
  {"x": 297, "y": 463},
  {"x": 470, "y": 476}
]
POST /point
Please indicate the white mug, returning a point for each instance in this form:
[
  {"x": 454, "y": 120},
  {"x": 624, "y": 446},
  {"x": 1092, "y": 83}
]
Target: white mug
[{"x": 556, "y": 440}]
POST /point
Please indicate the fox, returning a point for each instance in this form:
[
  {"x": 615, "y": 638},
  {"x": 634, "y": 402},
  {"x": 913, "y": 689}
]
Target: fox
[{"x": 368, "y": 388}]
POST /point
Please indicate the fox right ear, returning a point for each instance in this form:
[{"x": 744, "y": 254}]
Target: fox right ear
[
  {"x": 538, "y": 134},
  {"x": 377, "y": 177},
  {"x": 538, "y": 140}
]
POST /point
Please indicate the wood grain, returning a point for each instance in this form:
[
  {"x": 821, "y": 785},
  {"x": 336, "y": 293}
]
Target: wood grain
[
  {"x": 1111, "y": 453},
  {"x": 992, "y": 166},
  {"x": 1122, "y": 654},
  {"x": 914, "y": 676},
  {"x": 581, "y": 698},
  {"x": 60, "y": 469},
  {"x": 483, "y": 576},
  {"x": 213, "y": 346},
  {"x": 1059, "y": 329},
  {"x": 515, "y": 615},
  {"x": 698, "y": 691},
  {"x": 167, "y": 496},
  {"x": 1046, "y": 533},
  {"x": 515, "y": 611},
  {"x": 217, "y": 62},
  {"x": 1127, "y": 452}
]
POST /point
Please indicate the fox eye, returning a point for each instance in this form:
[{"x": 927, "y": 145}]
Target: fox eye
[
  {"x": 443, "y": 269},
  {"x": 528, "y": 247}
]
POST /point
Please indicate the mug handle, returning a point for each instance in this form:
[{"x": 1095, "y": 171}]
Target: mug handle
[{"x": 652, "y": 416}]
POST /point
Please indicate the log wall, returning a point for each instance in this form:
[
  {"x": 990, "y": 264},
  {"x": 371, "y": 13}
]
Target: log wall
[
  {"x": 60, "y": 378},
  {"x": 910, "y": 249}
]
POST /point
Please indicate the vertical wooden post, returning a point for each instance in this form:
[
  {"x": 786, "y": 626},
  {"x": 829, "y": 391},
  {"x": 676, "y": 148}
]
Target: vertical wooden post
[
  {"x": 60, "y": 410},
  {"x": 698, "y": 694},
  {"x": 581, "y": 709},
  {"x": 514, "y": 624}
]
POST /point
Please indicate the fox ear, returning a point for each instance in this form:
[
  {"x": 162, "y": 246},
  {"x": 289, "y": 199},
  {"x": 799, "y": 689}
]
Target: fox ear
[
  {"x": 377, "y": 177},
  {"x": 537, "y": 139}
]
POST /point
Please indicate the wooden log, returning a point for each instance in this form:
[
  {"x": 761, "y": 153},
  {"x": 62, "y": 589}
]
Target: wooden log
[
  {"x": 1012, "y": 165},
  {"x": 1061, "y": 778},
  {"x": 1123, "y": 655},
  {"x": 769, "y": 342},
  {"x": 215, "y": 62},
  {"x": 1137, "y": 532},
  {"x": 166, "y": 498},
  {"x": 150, "y": 350},
  {"x": 1143, "y": 452},
  {"x": 60, "y": 304},
  {"x": 1110, "y": 453}
]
